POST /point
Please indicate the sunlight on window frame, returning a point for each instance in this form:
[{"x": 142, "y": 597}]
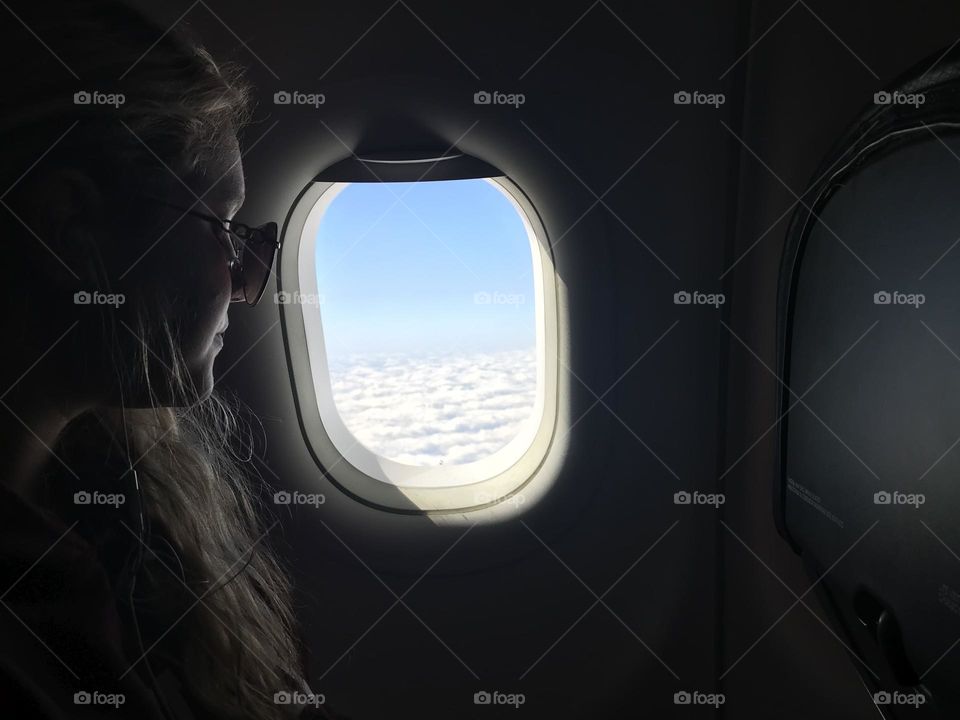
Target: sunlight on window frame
[{"x": 377, "y": 480}]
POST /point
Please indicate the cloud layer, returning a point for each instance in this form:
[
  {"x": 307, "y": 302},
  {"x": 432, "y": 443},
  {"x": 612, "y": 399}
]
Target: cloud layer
[{"x": 437, "y": 409}]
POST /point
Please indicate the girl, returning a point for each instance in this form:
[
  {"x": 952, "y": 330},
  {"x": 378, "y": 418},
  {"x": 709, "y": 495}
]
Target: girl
[{"x": 136, "y": 576}]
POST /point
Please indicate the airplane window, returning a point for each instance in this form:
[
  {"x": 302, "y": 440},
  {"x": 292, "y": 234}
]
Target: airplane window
[
  {"x": 425, "y": 316},
  {"x": 428, "y": 318}
]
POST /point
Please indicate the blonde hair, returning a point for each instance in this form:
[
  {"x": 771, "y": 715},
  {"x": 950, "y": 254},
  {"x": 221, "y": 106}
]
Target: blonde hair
[{"x": 238, "y": 646}]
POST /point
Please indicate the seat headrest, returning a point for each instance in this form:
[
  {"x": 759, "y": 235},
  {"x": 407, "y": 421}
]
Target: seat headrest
[{"x": 869, "y": 356}]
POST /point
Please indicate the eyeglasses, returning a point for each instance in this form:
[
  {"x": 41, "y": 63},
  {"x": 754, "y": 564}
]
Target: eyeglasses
[{"x": 250, "y": 267}]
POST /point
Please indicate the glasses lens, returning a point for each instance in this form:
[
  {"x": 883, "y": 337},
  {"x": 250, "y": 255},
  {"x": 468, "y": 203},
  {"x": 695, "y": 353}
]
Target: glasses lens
[
  {"x": 258, "y": 254},
  {"x": 236, "y": 275}
]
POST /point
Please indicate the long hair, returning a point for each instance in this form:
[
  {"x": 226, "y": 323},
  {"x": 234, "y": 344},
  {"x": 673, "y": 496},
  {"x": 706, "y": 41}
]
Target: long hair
[{"x": 237, "y": 647}]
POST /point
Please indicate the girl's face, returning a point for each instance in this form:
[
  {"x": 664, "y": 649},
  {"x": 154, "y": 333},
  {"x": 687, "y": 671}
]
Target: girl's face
[
  {"x": 188, "y": 268},
  {"x": 167, "y": 272}
]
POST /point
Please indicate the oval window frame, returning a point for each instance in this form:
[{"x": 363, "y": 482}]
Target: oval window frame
[{"x": 489, "y": 481}]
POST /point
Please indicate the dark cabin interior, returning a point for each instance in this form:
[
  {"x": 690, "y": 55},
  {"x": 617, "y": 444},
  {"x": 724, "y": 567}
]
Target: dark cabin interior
[{"x": 604, "y": 598}]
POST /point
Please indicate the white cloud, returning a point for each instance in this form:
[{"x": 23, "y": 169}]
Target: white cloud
[{"x": 439, "y": 409}]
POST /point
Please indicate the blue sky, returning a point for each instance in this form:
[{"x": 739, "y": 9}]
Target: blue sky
[{"x": 398, "y": 285}]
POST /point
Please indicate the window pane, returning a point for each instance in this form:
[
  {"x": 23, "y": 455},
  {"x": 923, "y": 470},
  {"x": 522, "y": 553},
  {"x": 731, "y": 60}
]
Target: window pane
[{"x": 429, "y": 318}]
